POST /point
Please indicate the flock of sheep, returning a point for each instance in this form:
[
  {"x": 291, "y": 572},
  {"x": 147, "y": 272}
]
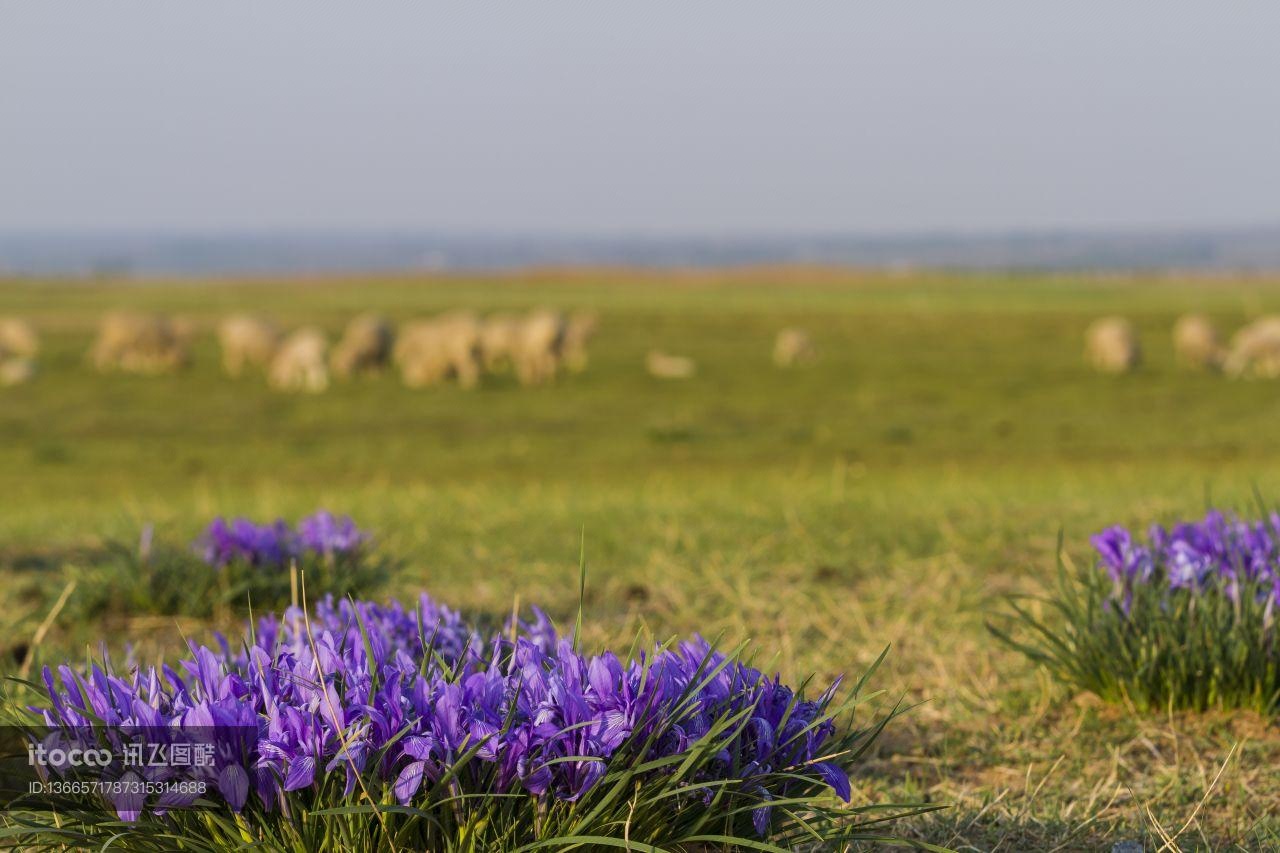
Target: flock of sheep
[
  {"x": 1112, "y": 346},
  {"x": 459, "y": 346}
]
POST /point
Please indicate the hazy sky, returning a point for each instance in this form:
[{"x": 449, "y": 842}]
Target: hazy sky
[{"x": 651, "y": 117}]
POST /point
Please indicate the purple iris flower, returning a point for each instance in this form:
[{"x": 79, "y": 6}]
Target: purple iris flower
[
  {"x": 330, "y": 535},
  {"x": 1123, "y": 558},
  {"x": 1187, "y": 567},
  {"x": 275, "y": 544},
  {"x": 398, "y": 695},
  {"x": 1219, "y": 551},
  {"x": 241, "y": 540}
]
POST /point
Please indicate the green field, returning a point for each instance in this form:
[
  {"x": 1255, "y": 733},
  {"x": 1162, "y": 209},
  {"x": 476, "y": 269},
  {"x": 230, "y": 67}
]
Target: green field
[{"x": 891, "y": 493}]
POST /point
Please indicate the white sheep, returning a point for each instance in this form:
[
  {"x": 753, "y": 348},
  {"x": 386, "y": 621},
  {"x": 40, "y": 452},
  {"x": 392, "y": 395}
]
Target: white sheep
[
  {"x": 300, "y": 364},
  {"x": 664, "y": 366},
  {"x": 18, "y": 337},
  {"x": 539, "y": 347},
  {"x": 1196, "y": 342},
  {"x": 498, "y": 335},
  {"x": 1111, "y": 345},
  {"x": 140, "y": 343},
  {"x": 793, "y": 347},
  {"x": 429, "y": 352},
  {"x": 247, "y": 341},
  {"x": 1255, "y": 349}
]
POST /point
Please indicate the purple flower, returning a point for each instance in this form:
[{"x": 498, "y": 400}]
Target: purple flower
[
  {"x": 1187, "y": 567},
  {"x": 272, "y": 545},
  {"x": 244, "y": 541},
  {"x": 399, "y": 695},
  {"x": 1124, "y": 559},
  {"x": 329, "y": 535},
  {"x": 1219, "y": 552}
]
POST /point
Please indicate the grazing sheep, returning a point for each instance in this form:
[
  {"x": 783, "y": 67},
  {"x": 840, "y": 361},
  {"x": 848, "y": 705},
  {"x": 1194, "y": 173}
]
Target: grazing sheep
[
  {"x": 1111, "y": 345},
  {"x": 460, "y": 336},
  {"x": 1197, "y": 343},
  {"x": 446, "y": 347},
  {"x": 539, "y": 347},
  {"x": 140, "y": 343},
  {"x": 15, "y": 371},
  {"x": 1255, "y": 350},
  {"x": 581, "y": 328},
  {"x": 498, "y": 334},
  {"x": 419, "y": 353},
  {"x": 299, "y": 364},
  {"x": 247, "y": 341},
  {"x": 18, "y": 337},
  {"x": 793, "y": 347},
  {"x": 664, "y": 366},
  {"x": 365, "y": 347}
]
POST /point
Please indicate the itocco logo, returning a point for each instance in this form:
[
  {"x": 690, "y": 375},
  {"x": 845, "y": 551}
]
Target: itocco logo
[{"x": 38, "y": 755}]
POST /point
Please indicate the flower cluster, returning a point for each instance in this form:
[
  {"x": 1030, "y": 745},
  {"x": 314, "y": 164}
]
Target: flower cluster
[
  {"x": 1183, "y": 618},
  {"x": 329, "y": 535},
  {"x": 361, "y": 694},
  {"x": 1220, "y": 551},
  {"x": 275, "y": 543}
]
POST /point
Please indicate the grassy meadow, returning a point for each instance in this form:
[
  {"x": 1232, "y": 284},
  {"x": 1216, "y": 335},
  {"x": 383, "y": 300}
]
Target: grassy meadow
[{"x": 890, "y": 494}]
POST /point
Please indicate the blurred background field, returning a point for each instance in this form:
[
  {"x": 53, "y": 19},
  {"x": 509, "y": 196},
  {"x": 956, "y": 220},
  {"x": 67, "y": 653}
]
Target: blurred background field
[
  {"x": 976, "y": 376},
  {"x": 890, "y": 493}
]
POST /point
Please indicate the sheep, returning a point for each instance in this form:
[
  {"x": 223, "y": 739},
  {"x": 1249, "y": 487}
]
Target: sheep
[
  {"x": 1197, "y": 343},
  {"x": 419, "y": 354},
  {"x": 539, "y": 347},
  {"x": 1111, "y": 345},
  {"x": 446, "y": 347},
  {"x": 247, "y": 341},
  {"x": 498, "y": 334},
  {"x": 664, "y": 366},
  {"x": 18, "y": 337},
  {"x": 19, "y": 345},
  {"x": 793, "y": 347},
  {"x": 140, "y": 343},
  {"x": 580, "y": 329},
  {"x": 299, "y": 364},
  {"x": 460, "y": 339},
  {"x": 1255, "y": 349},
  {"x": 365, "y": 347}
]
